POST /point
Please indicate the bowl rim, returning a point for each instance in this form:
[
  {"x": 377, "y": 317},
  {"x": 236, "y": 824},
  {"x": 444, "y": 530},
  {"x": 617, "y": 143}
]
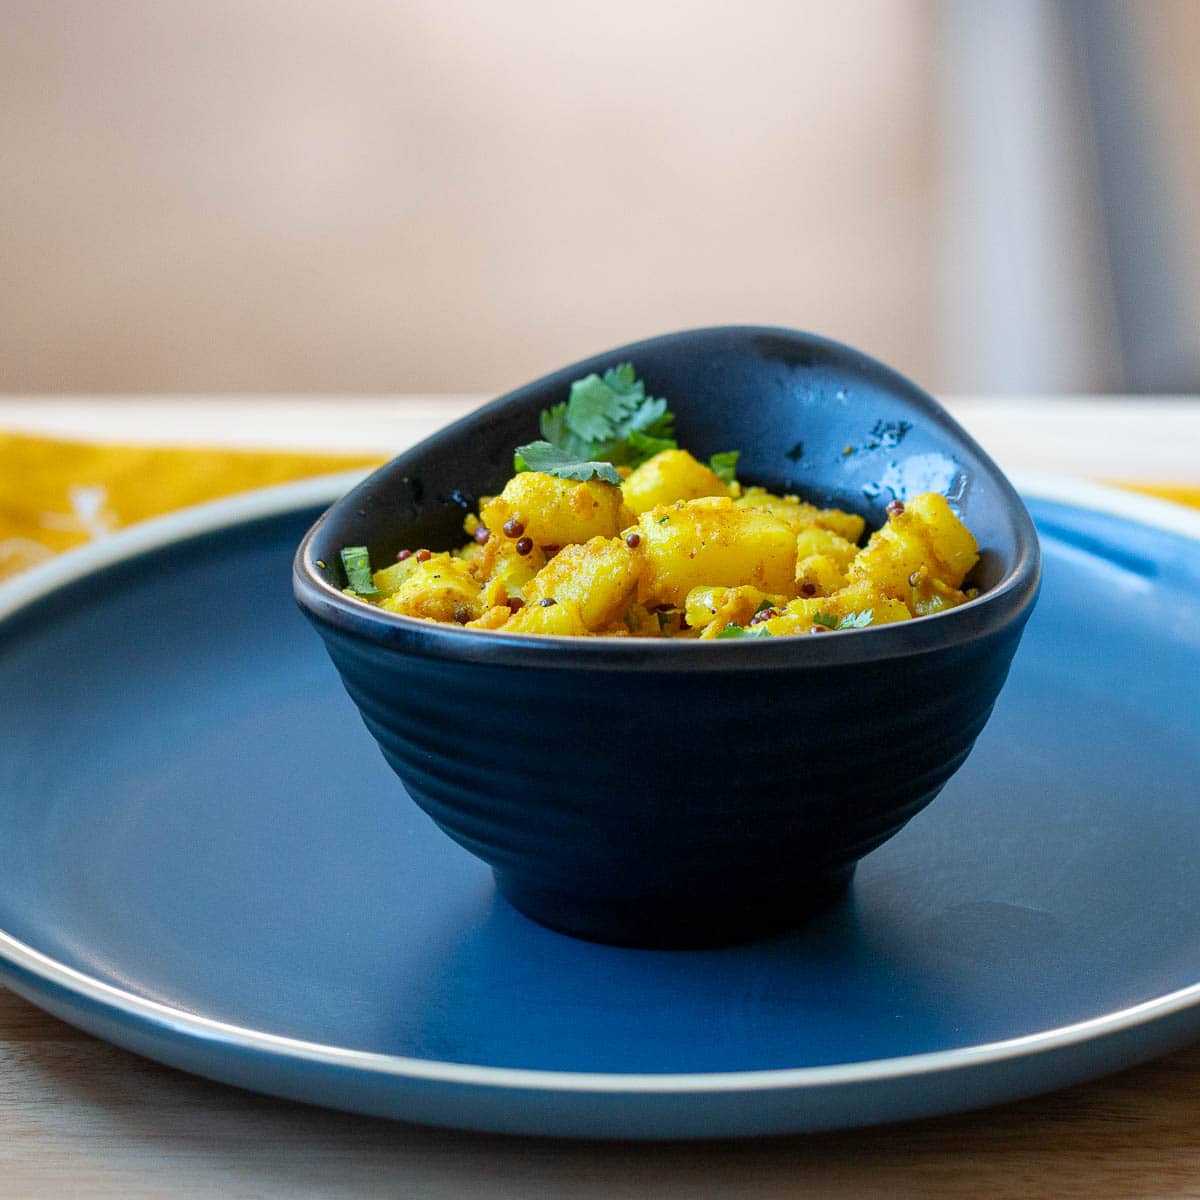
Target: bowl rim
[{"x": 1009, "y": 601}]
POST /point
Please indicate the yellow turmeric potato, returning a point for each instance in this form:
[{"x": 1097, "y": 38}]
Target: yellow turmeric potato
[
  {"x": 817, "y": 540},
  {"x": 890, "y": 559},
  {"x": 822, "y": 557},
  {"x": 556, "y": 512},
  {"x": 504, "y": 570},
  {"x": 800, "y": 515},
  {"x": 669, "y": 476},
  {"x": 858, "y": 598},
  {"x": 389, "y": 579},
  {"x": 562, "y": 620},
  {"x": 599, "y": 577},
  {"x": 441, "y": 588},
  {"x": 710, "y": 609},
  {"x": 920, "y": 556},
  {"x": 951, "y": 542},
  {"x": 690, "y": 569},
  {"x": 859, "y": 604},
  {"x": 710, "y": 542},
  {"x": 492, "y": 618},
  {"x": 819, "y": 575},
  {"x": 931, "y": 595}
]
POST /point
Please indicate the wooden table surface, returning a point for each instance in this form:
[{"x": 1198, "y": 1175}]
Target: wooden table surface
[{"x": 79, "y": 1117}]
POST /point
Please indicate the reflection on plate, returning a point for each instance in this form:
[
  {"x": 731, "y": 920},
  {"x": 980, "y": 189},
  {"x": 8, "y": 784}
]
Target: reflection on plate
[{"x": 203, "y": 857}]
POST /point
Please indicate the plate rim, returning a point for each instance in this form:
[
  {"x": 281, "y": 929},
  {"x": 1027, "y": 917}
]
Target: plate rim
[{"x": 278, "y": 500}]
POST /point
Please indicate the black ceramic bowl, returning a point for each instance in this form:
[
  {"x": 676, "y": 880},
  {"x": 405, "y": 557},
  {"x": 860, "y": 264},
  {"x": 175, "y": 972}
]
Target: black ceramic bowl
[{"x": 677, "y": 793}]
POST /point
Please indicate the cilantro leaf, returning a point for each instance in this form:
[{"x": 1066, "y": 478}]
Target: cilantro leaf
[
  {"x": 552, "y": 460},
  {"x": 609, "y": 418},
  {"x": 623, "y": 378},
  {"x": 646, "y": 446},
  {"x": 859, "y": 620},
  {"x": 654, "y": 419},
  {"x": 553, "y": 426},
  {"x": 724, "y": 465},
  {"x": 595, "y": 409},
  {"x": 603, "y": 409},
  {"x": 854, "y": 620},
  {"x": 736, "y": 631}
]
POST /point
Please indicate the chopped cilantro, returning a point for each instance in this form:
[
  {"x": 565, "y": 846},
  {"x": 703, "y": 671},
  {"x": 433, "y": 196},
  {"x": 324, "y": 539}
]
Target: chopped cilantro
[
  {"x": 647, "y": 446},
  {"x": 606, "y": 419},
  {"x": 357, "y": 563},
  {"x": 724, "y": 465},
  {"x": 736, "y": 631},
  {"x": 552, "y": 460},
  {"x": 857, "y": 620},
  {"x": 603, "y": 409}
]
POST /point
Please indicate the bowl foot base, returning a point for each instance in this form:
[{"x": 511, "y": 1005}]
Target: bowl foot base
[{"x": 667, "y": 924}]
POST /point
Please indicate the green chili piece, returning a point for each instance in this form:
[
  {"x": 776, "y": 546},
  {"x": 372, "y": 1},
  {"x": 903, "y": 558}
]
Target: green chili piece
[{"x": 357, "y": 562}]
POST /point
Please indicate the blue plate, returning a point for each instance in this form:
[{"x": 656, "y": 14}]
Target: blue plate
[{"x": 204, "y": 858}]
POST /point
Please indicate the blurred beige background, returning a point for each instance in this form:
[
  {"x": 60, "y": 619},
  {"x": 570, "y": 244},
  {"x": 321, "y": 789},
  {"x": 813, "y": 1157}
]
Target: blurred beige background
[{"x": 428, "y": 196}]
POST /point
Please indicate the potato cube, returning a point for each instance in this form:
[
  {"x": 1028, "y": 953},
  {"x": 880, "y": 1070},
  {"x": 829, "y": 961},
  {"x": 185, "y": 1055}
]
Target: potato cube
[
  {"x": 388, "y": 579},
  {"x": 816, "y": 540},
  {"x": 924, "y": 545},
  {"x": 822, "y": 557},
  {"x": 949, "y": 539},
  {"x": 849, "y": 602},
  {"x": 710, "y": 542},
  {"x": 441, "y": 588},
  {"x": 931, "y": 595},
  {"x": 492, "y": 618},
  {"x": 563, "y": 620},
  {"x": 846, "y": 525},
  {"x": 818, "y": 574},
  {"x": 891, "y": 558},
  {"x": 598, "y": 577},
  {"x": 504, "y": 570},
  {"x": 669, "y": 476},
  {"x": 557, "y": 512},
  {"x": 710, "y": 609},
  {"x": 800, "y": 515}
]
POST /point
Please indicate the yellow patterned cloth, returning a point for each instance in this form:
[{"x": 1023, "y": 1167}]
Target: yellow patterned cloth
[
  {"x": 56, "y": 494},
  {"x": 1181, "y": 493}
]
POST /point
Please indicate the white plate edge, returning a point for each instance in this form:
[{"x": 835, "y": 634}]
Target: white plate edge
[{"x": 265, "y": 502}]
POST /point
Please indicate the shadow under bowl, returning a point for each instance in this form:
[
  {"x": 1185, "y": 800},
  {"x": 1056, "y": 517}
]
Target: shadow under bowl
[{"x": 676, "y": 793}]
